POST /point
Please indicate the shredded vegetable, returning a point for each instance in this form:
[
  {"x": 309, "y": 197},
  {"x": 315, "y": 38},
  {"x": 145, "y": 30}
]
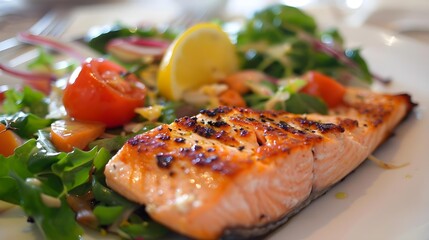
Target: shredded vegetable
[{"x": 385, "y": 165}]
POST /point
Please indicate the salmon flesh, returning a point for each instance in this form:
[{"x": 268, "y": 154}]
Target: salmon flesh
[{"x": 235, "y": 168}]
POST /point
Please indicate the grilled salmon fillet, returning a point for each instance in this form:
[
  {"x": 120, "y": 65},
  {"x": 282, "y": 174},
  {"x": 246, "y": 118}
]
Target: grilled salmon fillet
[{"x": 236, "y": 168}]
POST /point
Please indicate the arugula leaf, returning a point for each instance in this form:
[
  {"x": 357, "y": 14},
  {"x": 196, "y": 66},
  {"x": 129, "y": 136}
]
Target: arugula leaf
[
  {"x": 256, "y": 101},
  {"x": 57, "y": 222},
  {"x": 293, "y": 86},
  {"x": 8, "y": 185},
  {"x": 362, "y": 66},
  {"x": 44, "y": 154},
  {"x": 74, "y": 169},
  {"x": 28, "y": 100},
  {"x": 108, "y": 196},
  {"x": 25, "y": 124},
  {"x": 145, "y": 230},
  {"x": 331, "y": 36},
  {"x": 43, "y": 62},
  {"x": 8, "y": 188},
  {"x": 303, "y": 103},
  {"x": 107, "y": 215},
  {"x": 169, "y": 112},
  {"x": 275, "y": 24},
  {"x": 113, "y": 144},
  {"x": 101, "y": 160}
]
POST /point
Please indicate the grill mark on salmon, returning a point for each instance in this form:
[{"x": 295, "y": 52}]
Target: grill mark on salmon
[{"x": 235, "y": 170}]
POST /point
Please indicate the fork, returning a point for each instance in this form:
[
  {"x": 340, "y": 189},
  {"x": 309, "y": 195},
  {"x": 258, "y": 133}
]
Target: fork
[
  {"x": 194, "y": 12},
  {"x": 188, "y": 18},
  {"x": 52, "y": 24}
]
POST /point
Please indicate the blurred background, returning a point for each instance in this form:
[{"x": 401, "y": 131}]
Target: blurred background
[{"x": 410, "y": 18}]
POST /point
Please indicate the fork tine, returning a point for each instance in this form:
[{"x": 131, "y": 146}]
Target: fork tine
[
  {"x": 193, "y": 12},
  {"x": 59, "y": 21},
  {"x": 187, "y": 19},
  {"x": 59, "y": 28},
  {"x": 182, "y": 21},
  {"x": 54, "y": 24},
  {"x": 44, "y": 23}
]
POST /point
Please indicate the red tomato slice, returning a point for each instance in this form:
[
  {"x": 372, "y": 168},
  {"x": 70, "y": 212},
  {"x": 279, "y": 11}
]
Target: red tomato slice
[
  {"x": 324, "y": 87},
  {"x": 98, "y": 91}
]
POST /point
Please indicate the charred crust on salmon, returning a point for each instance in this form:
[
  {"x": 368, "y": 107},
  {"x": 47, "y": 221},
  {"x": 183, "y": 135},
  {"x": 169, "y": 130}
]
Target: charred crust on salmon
[
  {"x": 222, "y": 135},
  {"x": 218, "y": 124},
  {"x": 377, "y": 114},
  {"x": 215, "y": 112},
  {"x": 202, "y": 159},
  {"x": 133, "y": 141},
  {"x": 283, "y": 125},
  {"x": 349, "y": 124},
  {"x": 196, "y": 148},
  {"x": 243, "y": 132},
  {"x": 204, "y": 131},
  {"x": 163, "y": 136},
  {"x": 164, "y": 160},
  {"x": 180, "y": 140},
  {"x": 264, "y": 118},
  {"x": 322, "y": 127}
]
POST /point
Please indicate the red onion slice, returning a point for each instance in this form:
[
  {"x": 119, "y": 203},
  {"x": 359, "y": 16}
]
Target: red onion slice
[
  {"x": 39, "y": 81},
  {"x": 50, "y": 43},
  {"x": 134, "y": 48}
]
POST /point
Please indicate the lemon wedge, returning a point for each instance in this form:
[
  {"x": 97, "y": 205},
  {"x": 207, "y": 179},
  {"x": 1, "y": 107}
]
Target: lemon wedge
[{"x": 201, "y": 55}]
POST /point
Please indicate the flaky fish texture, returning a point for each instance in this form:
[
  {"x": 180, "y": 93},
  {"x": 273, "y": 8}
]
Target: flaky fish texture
[{"x": 236, "y": 168}]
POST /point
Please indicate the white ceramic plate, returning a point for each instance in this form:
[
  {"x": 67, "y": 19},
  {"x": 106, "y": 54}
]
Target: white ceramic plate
[{"x": 380, "y": 204}]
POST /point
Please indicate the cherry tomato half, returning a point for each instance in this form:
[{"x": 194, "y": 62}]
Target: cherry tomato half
[
  {"x": 324, "y": 87},
  {"x": 99, "y": 91}
]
